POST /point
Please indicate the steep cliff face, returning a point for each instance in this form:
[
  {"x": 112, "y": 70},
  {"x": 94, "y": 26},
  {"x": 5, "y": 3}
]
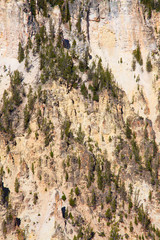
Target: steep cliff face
[
  {"x": 77, "y": 164},
  {"x": 121, "y": 26},
  {"x": 113, "y": 30},
  {"x": 14, "y": 27}
]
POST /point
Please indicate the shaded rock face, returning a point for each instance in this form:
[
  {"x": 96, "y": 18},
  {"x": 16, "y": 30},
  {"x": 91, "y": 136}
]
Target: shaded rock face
[
  {"x": 17, "y": 222},
  {"x": 4, "y": 194},
  {"x": 66, "y": 43},
  {"x": 63, "y": 211}
]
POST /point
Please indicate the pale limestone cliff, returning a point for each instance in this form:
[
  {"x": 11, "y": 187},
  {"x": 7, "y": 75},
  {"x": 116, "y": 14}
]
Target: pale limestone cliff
[{"x": 112, "y": 33}]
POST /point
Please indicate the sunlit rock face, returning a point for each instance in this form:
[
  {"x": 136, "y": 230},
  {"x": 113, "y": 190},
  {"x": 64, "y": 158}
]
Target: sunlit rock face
[
  {"x": 115, "y": 30},
  {"x": 111, "y": 30},
  {"x": 116, "y": 35},
  {"x": 13, "y": 27}
]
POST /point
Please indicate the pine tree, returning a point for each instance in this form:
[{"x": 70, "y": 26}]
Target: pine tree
[
  {"x": 33, "y": 7},
  {"x": 16, "y": 185},
  {"x": 29, "y": 43},
  {"x": 42, "y": 4},
  {"x": 26, "y": 117},
  {"x": 20, "y": 53},
  {"x": 27, "y": 63},
  {"x": 51, "y": 31},
  {"x": 148, "y": 64},
  {"x": 78, "y": 24},
  {"x": 67, "y": 13}
]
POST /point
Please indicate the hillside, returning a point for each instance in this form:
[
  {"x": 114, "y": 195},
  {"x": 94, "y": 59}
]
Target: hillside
[{"x": 79, "y": 120}]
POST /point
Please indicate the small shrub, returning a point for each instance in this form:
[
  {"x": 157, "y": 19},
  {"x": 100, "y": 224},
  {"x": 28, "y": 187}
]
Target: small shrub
[
  {"x": 36, "y": 135},
  {"x": 133, "y": 65},
  {"x": 77, "y": 191},
  {"x": 51, "y": 154},
  {"x": 108, "y": 214},
  {"x": 64, "y": 197},
  {"x": 101, "y": 234},
  {"x": 110, "y": 139},
  {"x": 131, "y": 227},
  {"x": 135, "y": 221},
  {"x": 29, "y": 131},
  {"x": 72, "y": 202},
  {"x": 138, "y": 79},
  {"x": 21, "y": 234},
  {"x": 126, "y": 236},
  {"x": 137, "y": 55}
]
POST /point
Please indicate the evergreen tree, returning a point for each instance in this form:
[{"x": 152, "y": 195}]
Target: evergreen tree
[
  {"x": 148, "y": 64},
  {"x": 16, "y": 185},
  {"x": 114, "y": 234},
  {"x": 33, "y": 7},
  {"x": 42, "y": 4},
  {"x": 27, "y": 63},
  {"x": 51, "y": 31},
  {"x": 128, "y": 131},
  {"x": 26, "y": 117},
  {"x": 29, "y": 43},
  {"x": 67, "y": 13},
  {"x": 78, "y": 24},
  {"x": 137, "y": 54},
  {"x": 20, "y": 53}
]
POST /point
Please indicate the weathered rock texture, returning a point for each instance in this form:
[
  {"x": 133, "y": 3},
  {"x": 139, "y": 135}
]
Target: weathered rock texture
[{"x": 112, "y": 30}]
